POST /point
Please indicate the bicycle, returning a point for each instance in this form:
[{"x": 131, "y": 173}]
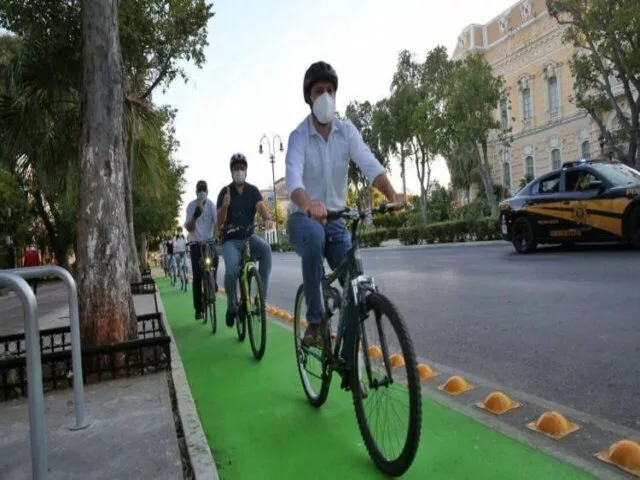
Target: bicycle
[
  {"x": 172, "y": 269},
  {"x": 207, "y": 256},
  {"x": 362, "y": 292},
  {"x": 256, "y": 308},
  {"x": 181, "y": 261}
]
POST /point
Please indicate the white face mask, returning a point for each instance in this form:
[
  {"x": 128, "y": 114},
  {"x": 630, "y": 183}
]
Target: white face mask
[
  {"x": 324, "y": 108},
  {"x": 202, "y": 196},
  {"x": 239, "y": 176}
]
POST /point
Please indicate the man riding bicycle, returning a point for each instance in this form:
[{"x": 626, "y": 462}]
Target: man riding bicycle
[
  {"x": 180, "y": 254},
  {"x": 200, "y": 223},
  {"x": 317, "y": 164},
  {"x": 237, "y": 205},
  {"x": 168, "y": 244}
]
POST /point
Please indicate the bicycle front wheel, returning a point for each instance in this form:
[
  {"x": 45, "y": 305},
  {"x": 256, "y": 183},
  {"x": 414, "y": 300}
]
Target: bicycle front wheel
[
  {"x": 386, "y": 387},
  {"x": 257, "y": 315}
]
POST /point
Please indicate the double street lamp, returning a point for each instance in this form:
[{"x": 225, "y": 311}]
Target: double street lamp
[{"x": 272, "y": 158}]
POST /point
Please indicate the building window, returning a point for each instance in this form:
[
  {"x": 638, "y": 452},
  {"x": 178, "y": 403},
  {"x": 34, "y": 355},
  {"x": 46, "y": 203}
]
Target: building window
[
  {"x": 506, "y": 173},
  {"x": 586, "y": 150},
  {"x": 504, "y": 114},
  {"x": 526, "y": 104},
  {"x": 528, "y": 167},
  {"x": 555, "y": 158},
  {"x": 554, "y": 96}
]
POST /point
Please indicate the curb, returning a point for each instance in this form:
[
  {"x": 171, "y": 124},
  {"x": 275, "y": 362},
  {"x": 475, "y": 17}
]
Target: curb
[
  {"x": 475, "y": 243},
  {"x": 200, "y": 456}
]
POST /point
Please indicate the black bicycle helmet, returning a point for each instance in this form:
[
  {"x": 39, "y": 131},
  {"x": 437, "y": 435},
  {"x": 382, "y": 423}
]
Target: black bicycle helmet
[
  {"x": 238, "y": 158},
  {"x": 318, "y": 72}
]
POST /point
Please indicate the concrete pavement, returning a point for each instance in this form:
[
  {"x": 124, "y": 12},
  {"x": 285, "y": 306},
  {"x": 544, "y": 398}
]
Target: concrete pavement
[{"x": 132, "y": 432}]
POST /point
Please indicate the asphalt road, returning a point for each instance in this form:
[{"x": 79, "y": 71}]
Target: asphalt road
[
  {"x": 560, "y": 324},
  {"x": 51, "y": 296}
]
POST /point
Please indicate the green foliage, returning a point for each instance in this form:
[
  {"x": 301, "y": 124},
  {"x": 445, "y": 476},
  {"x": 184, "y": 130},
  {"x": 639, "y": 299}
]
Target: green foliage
[
  {"x": 441, "y": 202},
  {"x": 156, "y": 202},
  {"x": 362, "y": 116},
  {"x": 40, "y": 103},
  {"x": 16, "y": 218},
  {"x": 158, "y": 36},
  {"x": 606, "y": 34},
  {"x": 473, "y": 95},
  {"x": 412, "y": 120},
  {"x": 372, "y": 237},
  {"x": 487, "y": 228}
]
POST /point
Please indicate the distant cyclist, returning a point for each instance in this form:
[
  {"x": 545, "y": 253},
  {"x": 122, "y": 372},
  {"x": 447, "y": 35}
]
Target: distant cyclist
[
  {"x": 200, "y": 223},
  {"x": 180, "y": 255},
  {"x": 237, "y": 206}
]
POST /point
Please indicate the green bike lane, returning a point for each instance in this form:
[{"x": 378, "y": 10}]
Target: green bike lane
[{"x": 259, "y": 424}]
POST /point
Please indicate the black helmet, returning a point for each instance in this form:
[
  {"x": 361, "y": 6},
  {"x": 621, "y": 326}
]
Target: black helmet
[
  {"x": 238, "y": 158},
  {"x": 318, "y": 72}
]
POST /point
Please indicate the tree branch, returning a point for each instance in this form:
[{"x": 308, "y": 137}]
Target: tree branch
[{"x": 159, "y": 78}]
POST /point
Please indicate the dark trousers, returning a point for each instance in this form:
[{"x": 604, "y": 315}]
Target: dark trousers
[
  {"x": 197, "y": 274},
  {"x": 313, "y": 242},
  {"x": 34, "y": 285}
]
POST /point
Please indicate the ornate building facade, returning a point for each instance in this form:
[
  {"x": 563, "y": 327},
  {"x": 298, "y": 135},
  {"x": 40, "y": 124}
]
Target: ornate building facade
[{"x": 524, "y": 44}]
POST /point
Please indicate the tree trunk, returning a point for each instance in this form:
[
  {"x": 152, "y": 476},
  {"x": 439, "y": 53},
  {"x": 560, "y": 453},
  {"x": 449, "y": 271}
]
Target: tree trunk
[
  {"x": 133, "y": 265},
  {"x": 104, "y": 294},
  {"x": 487, "y": 181},
  {"x": 403, "y": 173},
  {"x": 142, "y": 250}
]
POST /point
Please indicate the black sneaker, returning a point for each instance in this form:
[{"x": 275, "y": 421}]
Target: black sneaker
[
  {"x": 312, "y": 336},
  {"x": 230, "y": 319},
  {"x": 199, "y": 315},
  {"x": 346, "y": 383}
]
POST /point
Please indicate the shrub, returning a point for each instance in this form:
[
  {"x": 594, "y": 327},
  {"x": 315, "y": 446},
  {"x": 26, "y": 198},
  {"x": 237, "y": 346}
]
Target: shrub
[{"x": 487, "y": 228}]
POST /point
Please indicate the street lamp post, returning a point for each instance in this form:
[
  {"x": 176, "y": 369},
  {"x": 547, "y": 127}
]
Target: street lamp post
[{"x": 272, "y": 158}]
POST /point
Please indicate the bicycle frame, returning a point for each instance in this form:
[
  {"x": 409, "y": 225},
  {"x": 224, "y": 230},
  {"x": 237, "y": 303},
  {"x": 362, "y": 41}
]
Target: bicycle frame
[
  {"x": 246, "y": 263},
  {"x": 357, "y": 284}
]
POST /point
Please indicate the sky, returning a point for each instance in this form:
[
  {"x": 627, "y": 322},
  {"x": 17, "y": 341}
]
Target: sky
[{"x": 251, "y": 83}]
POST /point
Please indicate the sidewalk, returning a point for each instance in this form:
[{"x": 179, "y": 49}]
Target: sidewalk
[
  {"x": 132, "y": 434},
  {"x": 260, "y": 425}
]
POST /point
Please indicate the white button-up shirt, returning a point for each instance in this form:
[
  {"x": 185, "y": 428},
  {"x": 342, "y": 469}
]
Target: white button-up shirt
[
  {"x": 321, "y": 167},
  {"x": 205, "y": 223}
]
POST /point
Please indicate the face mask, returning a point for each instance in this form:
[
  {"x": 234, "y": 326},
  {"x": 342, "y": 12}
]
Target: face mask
[
  {"x": 324, "y": 108},
  {"x": 202, "y": 196},
  {"x": 239, "y": 176}
]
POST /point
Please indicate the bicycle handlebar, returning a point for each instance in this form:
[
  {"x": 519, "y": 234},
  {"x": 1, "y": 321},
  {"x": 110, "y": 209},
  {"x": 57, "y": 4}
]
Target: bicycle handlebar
[{"x": 355, "y": 214}]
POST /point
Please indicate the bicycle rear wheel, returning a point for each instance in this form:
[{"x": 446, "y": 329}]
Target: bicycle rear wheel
[
  {"x": 385, "y": 371},
  {"x": 312, "y": 361},
  {"x": 241, "y": 321},
  {"x": 257, "y": 316}
]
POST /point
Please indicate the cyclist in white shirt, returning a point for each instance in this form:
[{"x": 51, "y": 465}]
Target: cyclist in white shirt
[
  {"x": 200, "y": 223},
  {"x": 317, "y": 163},
  {"x": 180, "y": 255}
]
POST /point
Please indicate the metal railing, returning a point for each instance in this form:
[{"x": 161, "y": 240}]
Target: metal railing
[
  {"x": 34, "y": 372},
  {"x": 74, "y": 320}
]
